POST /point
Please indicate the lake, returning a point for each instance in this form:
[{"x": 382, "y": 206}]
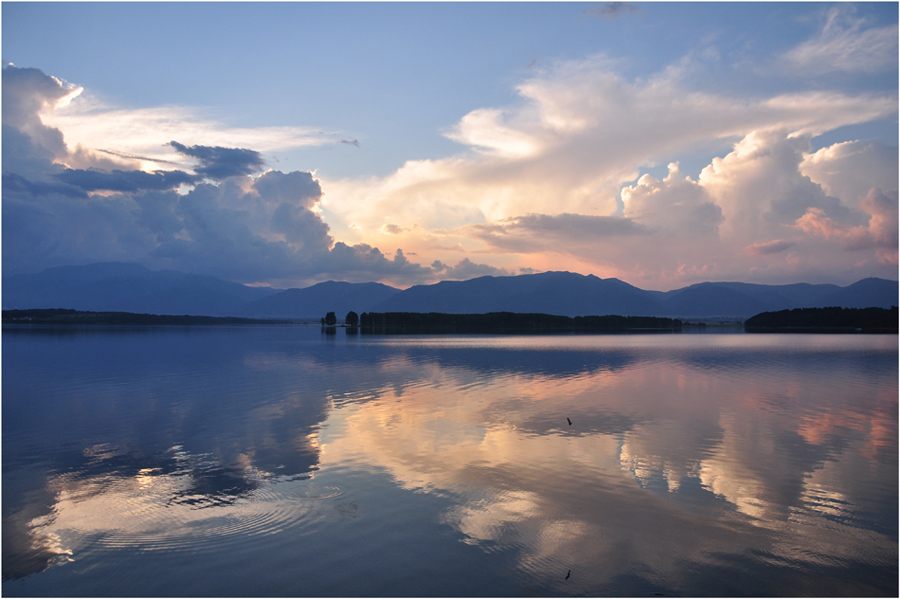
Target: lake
[{"x": 281, "y": 461}]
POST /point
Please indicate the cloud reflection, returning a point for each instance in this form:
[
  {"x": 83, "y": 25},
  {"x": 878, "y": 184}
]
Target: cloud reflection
[
  {"x": 677, "y": 436},
  {"x": 673, "y": 461}
]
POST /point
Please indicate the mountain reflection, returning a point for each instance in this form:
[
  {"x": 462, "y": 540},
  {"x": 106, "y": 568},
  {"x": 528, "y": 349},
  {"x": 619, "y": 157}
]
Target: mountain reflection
[{"x": 654, "y": 460}]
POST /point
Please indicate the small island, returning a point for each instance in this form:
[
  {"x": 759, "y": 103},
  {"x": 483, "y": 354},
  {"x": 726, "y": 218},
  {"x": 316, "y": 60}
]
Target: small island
[
  {"x": 825, "y": 320},
  {"x": 509, "y": 323}
]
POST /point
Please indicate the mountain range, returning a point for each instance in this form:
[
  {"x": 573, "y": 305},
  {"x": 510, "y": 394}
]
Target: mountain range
[{"x": 133, "y": 288}]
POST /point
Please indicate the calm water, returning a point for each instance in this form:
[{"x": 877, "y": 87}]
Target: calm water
[{"x": 281, "y": 461}]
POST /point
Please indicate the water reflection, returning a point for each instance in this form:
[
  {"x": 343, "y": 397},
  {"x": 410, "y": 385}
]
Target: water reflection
[{"x": 635, "y": 464}]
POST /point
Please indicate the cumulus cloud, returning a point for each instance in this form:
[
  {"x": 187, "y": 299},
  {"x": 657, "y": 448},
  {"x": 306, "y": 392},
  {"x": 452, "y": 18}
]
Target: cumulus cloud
[
  {"x": 466, "y": 269},
  {"x": 848, "y": 170},
  {"x": 26, "y": 94},
  {"x": 879, "y": 232},
  {"x": 579, "y": 133},
  {"x": 553, "y": 178},
  {"x": 220, "y": 163},
  {"x": 224, "y": 217},
  {"x": 676, "y": 203},
  {"x": 759, "y": 186}
]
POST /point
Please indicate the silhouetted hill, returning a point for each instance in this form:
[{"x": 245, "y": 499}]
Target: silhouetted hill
[
  {"x": 121, "y": 287},
  {"x": 710, "y": 300},
  {"x": 740, "y": 300},
  {"x": 559, "y": 293},
  {"x": 570, "y": 294},
  {"x": 314, "y": 302},
  {"x": 117, "y": 287},
  {"x": 866, "y": 293}
]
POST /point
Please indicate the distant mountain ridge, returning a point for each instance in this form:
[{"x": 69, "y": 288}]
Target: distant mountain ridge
[
  {"x": 132, "y": 288},
  {"x": 570, "y": 294},
  {"x": 125, "y": 287},
  {"x": 316, "y": 301}
]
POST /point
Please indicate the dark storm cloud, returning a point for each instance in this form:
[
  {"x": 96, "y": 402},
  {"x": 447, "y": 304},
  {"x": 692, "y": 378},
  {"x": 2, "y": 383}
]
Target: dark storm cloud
[
  {"x": 27, "y": 92},
  {"x": 226, "y": 224},
  {"x": 96, "y": 180},
  {"x": 14, "y": 183},
  {"x": 219, "y": 163},
  {"x": 297, "y": 188}
]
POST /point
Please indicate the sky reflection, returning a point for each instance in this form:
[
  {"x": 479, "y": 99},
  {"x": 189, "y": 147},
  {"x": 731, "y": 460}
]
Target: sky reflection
[{"x": 633, "y": 466}]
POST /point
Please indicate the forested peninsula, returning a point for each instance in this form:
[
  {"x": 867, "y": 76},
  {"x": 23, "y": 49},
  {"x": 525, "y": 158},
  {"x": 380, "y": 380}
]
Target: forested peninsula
[{"x": 825, "y": 320}]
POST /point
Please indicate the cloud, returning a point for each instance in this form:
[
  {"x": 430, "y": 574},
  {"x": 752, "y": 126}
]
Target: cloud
[
  {"x": 555, "y": 179},
  {"x": 145, "y": 133},
  {"x": 880, "y": 232},
  {"x": 759, "y": 186},
  {"x": 845, "y": 44},
  {"x": 675, "y": 204},
  {"x": 466, "y": 269},
  {"x": 219, "y": 163},
  {"x": 612, "y": 10},
  {"x": 26, "y": 94},
  {"x": 117, "y": 180},
  {"x": 764, "y": 248},
  {"x": 569, "y": 157},
  {"x": 579, "y": 132},
  {"x": 393, "y": 229},
  {"x": 245, "y": 226},
  {"x": 848, "y": 170},
  {"x": 542, "y": 232}
]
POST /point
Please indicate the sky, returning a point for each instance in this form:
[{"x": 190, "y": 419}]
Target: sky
[{"x": 284, "y": 144}]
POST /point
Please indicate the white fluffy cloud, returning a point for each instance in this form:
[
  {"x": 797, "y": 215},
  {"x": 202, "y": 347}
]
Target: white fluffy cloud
[
  {"x": 848, "y": 170},
  {"x": 558, "y": 174},
  {"x": 674, "y": 204}
]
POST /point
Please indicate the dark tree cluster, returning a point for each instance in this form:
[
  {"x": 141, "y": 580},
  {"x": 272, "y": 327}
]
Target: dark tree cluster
[
  {"x": 825, "y": 320},
  {"x": 509, "y": 322}
]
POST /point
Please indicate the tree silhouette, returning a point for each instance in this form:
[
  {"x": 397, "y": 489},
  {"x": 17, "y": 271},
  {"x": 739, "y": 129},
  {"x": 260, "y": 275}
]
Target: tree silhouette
[
  {"x": 352, "y": 319},
  {"x": 330, "y": 319}
]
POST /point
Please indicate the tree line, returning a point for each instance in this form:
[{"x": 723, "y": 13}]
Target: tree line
[{"x": 825, "y": 320}]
